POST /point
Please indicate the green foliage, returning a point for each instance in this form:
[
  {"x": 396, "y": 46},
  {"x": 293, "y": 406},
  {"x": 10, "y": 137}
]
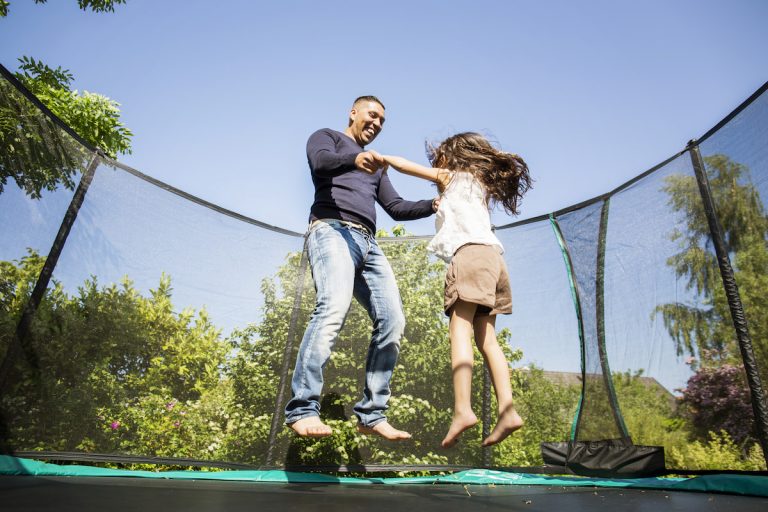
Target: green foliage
[
  {"x": 94, "y": 117},
  {"x": 546, "y": 406},
  {"x": 211, "y": 427},
  {"x": 650, "y": 413},
  {"x": 717, "y": 453},
  {"x": 33, "y": 71},
  {"x": 108, "y": 357},
  {"x": 94, "y": 5},
  {"x": 34, "y": 151},
  {"x": 646, "y": 407}
]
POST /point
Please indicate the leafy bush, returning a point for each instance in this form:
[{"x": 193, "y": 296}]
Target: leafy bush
[
  {"x": 717, "y": 399},
  {"x": 717, "y": 453}
]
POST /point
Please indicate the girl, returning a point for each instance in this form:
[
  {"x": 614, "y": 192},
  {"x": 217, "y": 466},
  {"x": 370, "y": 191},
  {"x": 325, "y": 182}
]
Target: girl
[{"x": 471, "y": 175}]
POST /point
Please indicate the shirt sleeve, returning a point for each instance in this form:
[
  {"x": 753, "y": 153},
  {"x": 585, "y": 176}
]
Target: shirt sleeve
[
  {"x": 397, "y": 207},
  {"x": 324, "y": 159}
]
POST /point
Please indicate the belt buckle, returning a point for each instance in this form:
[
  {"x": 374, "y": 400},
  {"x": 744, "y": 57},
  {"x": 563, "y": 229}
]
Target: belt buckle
[{"x": 359, "y": 227}]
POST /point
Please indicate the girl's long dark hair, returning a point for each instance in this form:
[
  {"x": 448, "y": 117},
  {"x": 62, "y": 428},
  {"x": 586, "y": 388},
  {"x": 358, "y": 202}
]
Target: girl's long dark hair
[{"x": 504, "y": 175}]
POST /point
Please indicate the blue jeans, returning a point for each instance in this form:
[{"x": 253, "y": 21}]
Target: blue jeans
[{"x": 347, "y": 262}]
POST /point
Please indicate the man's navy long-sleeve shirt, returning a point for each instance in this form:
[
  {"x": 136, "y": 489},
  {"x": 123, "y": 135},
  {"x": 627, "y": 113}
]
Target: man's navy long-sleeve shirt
[{"x": 344, "y": 192}]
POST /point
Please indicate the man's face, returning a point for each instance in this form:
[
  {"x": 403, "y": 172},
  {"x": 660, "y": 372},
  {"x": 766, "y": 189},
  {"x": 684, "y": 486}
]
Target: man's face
[{"x": 366, "y": 120}]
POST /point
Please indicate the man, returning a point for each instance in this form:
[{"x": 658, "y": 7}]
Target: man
[{"x": 346, "y": 261}]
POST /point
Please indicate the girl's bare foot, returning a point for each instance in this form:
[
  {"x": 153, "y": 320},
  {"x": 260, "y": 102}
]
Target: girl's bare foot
[
  {"x": 384, "y": 430},
  {"x": 509, "y": 421},
  {"x": 311, "y": 426},
  {"x": 460, "y": 423}
]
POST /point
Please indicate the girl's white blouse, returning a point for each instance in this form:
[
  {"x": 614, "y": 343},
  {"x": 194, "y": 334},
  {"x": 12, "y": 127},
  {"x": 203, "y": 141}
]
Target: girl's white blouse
[{"x": 462, "y": 218}]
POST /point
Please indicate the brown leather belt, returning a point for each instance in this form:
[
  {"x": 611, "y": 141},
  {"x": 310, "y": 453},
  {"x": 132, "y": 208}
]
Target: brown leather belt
[{"x": 353, "y": 225}]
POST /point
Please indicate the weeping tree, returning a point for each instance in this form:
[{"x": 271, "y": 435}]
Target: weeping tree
[{"x": 705, "y": 331}]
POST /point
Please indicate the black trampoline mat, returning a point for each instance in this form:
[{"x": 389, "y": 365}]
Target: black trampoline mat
[{"x": 69, "y": 494}]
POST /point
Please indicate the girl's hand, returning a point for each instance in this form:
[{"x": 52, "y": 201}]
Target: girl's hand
[{"x": 369, "y": 162}]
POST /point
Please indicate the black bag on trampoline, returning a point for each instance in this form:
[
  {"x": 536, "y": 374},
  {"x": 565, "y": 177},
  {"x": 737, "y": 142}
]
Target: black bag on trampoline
[{"x": 606, "y": 458}]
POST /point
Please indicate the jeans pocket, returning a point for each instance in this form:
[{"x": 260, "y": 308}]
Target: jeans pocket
[{"x": 321, "y": 229}]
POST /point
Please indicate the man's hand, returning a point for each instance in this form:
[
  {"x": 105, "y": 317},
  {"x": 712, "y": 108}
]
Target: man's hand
[
  {"x": 436, "y": 204},
  {"x": 370, "y": 162}
]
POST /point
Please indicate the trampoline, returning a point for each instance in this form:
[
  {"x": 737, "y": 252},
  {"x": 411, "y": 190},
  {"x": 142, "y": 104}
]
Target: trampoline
[
  {"x": 45, "y": 493},
  {"x": 77, "y": 488},
  {"x": 146, "y": 334}
]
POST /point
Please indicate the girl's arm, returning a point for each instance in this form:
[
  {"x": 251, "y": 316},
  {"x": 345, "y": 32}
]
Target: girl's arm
[{"x": 435, "y": 175}]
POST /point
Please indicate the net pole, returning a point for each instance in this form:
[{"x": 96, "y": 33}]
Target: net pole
[
  {"x": 580, "y": 318},
  {"x": 486, "y": 450},
  {"x": 20, "y": 339},
  {"x": 600, "y": 314},
  {"x": 734, "y": 298},
  {"x": 287, "y": 353}
]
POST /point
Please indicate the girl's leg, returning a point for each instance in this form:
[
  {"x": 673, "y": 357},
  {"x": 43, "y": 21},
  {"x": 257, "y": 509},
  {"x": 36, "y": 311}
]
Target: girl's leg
[
  {"x": 509, "y": 420},
  {"x": 460, "y": 330}
]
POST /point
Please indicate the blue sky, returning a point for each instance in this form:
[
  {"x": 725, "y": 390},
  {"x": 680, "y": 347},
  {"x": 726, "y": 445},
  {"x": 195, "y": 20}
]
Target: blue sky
[{"x": 222, "y": 96}]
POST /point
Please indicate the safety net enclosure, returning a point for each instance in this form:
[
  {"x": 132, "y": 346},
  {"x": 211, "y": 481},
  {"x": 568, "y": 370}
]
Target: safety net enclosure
[{"x": 140, "y": 324}]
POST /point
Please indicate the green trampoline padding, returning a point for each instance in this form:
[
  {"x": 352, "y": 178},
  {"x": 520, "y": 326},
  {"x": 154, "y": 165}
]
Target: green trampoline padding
[{"x": 731, "y": 484}]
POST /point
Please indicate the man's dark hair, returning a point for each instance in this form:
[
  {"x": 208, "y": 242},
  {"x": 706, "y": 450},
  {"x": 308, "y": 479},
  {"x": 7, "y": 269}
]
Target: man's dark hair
[{"x": 368, "y": 98}]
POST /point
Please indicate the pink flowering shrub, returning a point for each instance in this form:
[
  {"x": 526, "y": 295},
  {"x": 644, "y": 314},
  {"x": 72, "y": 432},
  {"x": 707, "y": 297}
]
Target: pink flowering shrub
[{"x": 717, "y": 399}]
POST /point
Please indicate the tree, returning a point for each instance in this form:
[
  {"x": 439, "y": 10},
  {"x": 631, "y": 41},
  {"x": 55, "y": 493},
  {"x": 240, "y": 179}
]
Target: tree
[
  {"x": 94, "y": 5},
  {"x": 706, "y": 332},
  {"x": 34, "y": 151}
]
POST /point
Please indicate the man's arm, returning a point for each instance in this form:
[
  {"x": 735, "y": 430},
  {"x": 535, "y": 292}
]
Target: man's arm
[
  {"x": 397, "y": 207},
  {"x": 325, "y": 161},
  {"x": 323, "y": 158}
]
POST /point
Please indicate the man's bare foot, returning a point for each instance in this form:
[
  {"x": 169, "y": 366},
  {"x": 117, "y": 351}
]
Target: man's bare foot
[
  {"x": 509, "y": 421},
  {"x": 460, "y": 423},
  {"x": 385, "y": 430},
  {"x": 311, "y": 426}
]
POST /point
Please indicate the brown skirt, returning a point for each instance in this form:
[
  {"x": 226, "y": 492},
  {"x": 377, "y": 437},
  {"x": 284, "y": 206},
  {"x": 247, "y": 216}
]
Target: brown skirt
[{"x": 478, "y": 274}]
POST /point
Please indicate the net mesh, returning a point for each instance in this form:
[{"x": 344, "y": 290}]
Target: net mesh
[{"x": 170, "y": 326}]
